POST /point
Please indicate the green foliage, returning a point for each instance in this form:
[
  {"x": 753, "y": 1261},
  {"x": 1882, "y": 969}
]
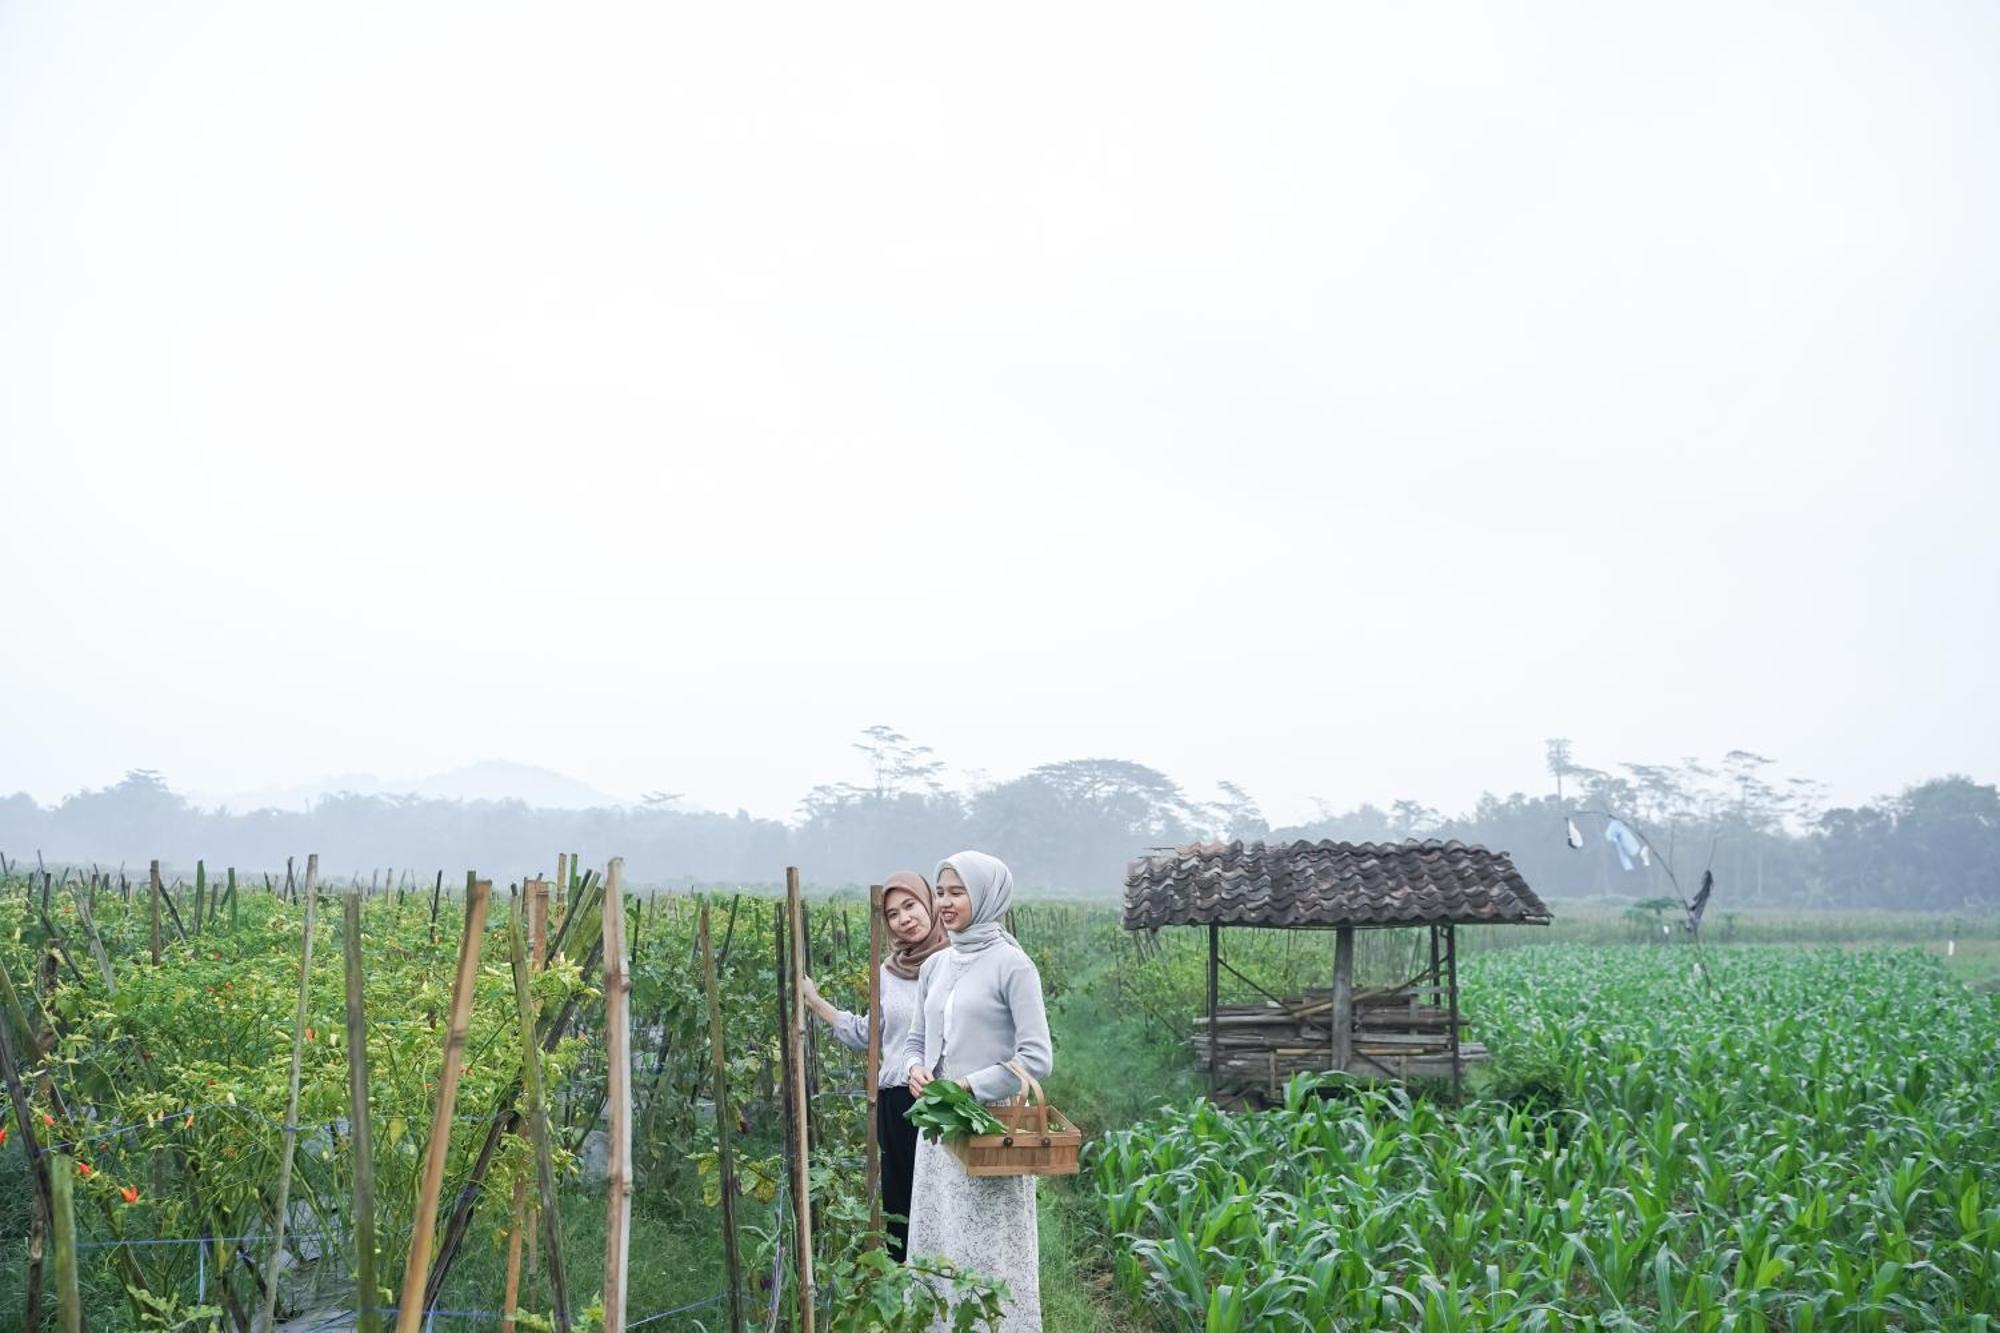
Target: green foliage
[
  {"x": 1814, "y": 1144},
  {"x": 946, "y": 1110}
]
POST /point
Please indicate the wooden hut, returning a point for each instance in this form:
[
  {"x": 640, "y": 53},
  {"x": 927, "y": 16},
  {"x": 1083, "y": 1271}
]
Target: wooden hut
[{"x": 1401, "y": 1031}]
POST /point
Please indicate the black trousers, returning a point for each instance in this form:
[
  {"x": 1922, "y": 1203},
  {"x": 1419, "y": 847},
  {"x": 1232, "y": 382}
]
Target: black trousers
[{"x": 898, "y": 1138}]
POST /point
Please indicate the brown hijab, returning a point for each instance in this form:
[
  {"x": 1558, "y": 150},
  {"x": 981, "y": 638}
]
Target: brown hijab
[{"x": 905, "y": 959}]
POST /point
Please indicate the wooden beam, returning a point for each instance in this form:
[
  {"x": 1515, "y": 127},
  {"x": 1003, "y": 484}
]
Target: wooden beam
[
  {"x": 1457, "y": 1058},
  {"x": 1343, "y": 997},
  {"x": 1214, "y": 952}
]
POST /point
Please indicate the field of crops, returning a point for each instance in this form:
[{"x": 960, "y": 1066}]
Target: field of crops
[
  {"x": 1736, "y": 1137},
  {"x": 161, "y": 1089},
  {"x": 1804, "y": 1141}
]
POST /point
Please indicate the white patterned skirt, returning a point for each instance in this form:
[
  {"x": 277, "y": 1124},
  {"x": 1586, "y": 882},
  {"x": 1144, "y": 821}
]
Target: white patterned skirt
[{"x": 984, "y": 1223}]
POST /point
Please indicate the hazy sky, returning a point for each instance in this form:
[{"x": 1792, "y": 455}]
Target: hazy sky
[{"x": 1334, "y": 398}]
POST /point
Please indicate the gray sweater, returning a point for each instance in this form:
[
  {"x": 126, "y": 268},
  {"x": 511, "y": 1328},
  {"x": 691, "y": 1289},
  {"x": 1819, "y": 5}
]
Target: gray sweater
[
  {"x": 994, "y": 999},
  {"x": 899, "y": 1007}
]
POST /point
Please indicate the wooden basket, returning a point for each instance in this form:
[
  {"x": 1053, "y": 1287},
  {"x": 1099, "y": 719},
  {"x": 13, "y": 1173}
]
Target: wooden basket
[{"x": 1040, "y": 1141}]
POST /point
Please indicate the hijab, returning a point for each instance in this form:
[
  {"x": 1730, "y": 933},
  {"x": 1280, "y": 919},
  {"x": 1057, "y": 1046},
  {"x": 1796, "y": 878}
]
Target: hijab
[
  {"x": 990, "y": 885},
  {"x": 905, "y": 959}
]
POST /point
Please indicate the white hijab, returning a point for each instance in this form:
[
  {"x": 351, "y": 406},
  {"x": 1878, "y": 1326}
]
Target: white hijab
[{"x": 990, "y": 885}]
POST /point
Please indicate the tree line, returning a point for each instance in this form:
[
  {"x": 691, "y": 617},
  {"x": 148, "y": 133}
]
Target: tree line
[{"x": 1073, "y": 825}]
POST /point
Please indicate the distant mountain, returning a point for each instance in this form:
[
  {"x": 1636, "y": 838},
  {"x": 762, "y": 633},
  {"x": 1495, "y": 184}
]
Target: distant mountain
[{"x": 488, "y": 780}]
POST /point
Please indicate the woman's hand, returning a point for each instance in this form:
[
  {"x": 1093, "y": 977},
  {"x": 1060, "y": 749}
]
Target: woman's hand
[
  {"x": 918, "y": 1077},
  {"x": 819, "y": 1004}
]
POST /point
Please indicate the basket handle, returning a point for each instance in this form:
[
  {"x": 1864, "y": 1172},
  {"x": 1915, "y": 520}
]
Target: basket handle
[{"x": 1031, "y": 1096}]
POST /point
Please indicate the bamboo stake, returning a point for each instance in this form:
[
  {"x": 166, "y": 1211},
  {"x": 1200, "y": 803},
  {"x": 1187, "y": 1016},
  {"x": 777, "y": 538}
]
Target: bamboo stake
[
  {"x": 24, "y": 1128},
  {"x": 357, "y": 1119},
  {"x": 874, "y": 1145},
  {"x": 618, "y": 1080},
  {"x": 802, "y": 1146},
  {"x": 69, "y": 1298},
  {"x": 538, "y": 1121},
  {"x": 538, "y": 957},
  {"x": 410, "y": 1310},
  {"x": 153, "y": 910},
  {"x": 292, "y": 1104},
  {"x": 88, "y": 917},
  {"x": 522, "y": 1218},
  {"x": 725, "y": 1164}
]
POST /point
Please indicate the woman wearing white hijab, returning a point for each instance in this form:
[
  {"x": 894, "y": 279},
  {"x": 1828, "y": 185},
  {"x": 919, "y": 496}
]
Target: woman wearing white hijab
[{"x": 979, "y": 1006}]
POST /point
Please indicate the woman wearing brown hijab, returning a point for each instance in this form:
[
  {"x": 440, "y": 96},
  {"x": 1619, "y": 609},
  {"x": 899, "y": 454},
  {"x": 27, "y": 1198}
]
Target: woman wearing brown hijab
[{"x": 915, "y": 933}]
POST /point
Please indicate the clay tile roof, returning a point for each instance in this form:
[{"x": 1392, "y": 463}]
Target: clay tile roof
[{"x": 1328, "y": 884}]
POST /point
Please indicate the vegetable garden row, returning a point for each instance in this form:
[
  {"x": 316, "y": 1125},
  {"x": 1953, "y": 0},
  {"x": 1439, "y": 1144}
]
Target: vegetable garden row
[{"x": 154, "y": 1025}]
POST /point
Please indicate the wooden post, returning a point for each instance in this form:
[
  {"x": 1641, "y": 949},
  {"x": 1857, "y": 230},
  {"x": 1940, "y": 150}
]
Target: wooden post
[
  {"x": 538, "y": 1120},
  {"x": 725, "y": 1163},
  {"x": 69, "y": 1297},
  {"x": 1451, "y": 963},
  {"x": 200, "y": 892},
  {"x": 1437, "y": 980},
  {"x": 1343, "y": 997},
  {"x": 874, "y": 1142},
  {"x": 153, "y": 910},
  {"x": 802, "y": 1146},
  {"x": 232, "y": 898},
  {"x": 410, "y": 1310},
  {"x": 1214, "y": 986},
  {"x": 291, "y": 1126},
  {"x": 618, "y": 1077},
  {"x": 368, "y": 1297}
]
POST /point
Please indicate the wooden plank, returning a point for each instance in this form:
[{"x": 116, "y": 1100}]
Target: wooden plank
[
  {"x": 410, "y": 1309},
  {"x": 618, "y": 1075},
  {"x": 291, "y": 1129}
]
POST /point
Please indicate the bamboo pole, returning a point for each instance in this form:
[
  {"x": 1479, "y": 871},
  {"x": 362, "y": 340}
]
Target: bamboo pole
[
  {"x": 801, "y": 1146},
  {"x": 357, "y": 1119},
  {"x": 88, "y": 917},
  {"x": 538, "y": 957},
  {"x": 535, "y": 894},
  {"x": 874, "y": 1145},
  {"x": 618, "y": 1090},
  {"x": 291, "y": 1128},
  {"x": 24, "y": 1129},
  {"x": 538, "y": 1120},
  {"x": 69, "y": 1297},
  {"x": 410, "y": 1310},
  {"x": 153, "y": 909},
  {"x": 725, "y": 1163}
]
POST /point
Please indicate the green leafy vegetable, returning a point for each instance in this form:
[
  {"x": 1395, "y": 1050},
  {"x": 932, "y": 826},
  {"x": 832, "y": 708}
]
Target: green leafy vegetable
[{"x": 945, "y": 1110}]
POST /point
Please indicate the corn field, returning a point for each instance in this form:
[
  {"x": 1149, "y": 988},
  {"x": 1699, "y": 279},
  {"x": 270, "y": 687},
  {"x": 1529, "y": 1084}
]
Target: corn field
[{"x": 1800, "y": 1141}]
